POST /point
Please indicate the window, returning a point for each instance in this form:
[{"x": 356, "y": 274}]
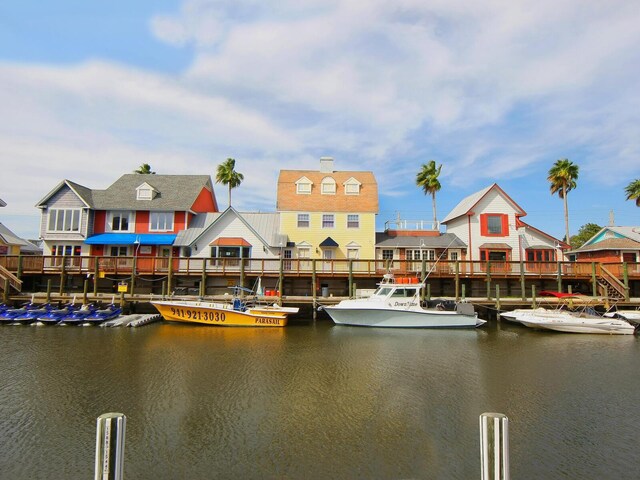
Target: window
[
  {"x": 453, "y": 255},
  {"x": 145, "y": 192},
  {"x": 161, "y": 221},
  {"x": 328, "y": 186},
  {"x": 119, "y": 251},
  {"x": 353, "y": 221},
  {"x": 303, "y": 186},
  {"x": 352, "y": 187},
  {"x": 304, "y": 253},
  {"x": 494, "y": 224},
  {"x": 303, "y": 220},
  {"x": 66, "y": 250},
  {"x": 541, "y": 256},
  {"x": 328, "y": 221},
  {"x": 387, "y": 254},
  {"x": 119, "y": 221},
  {"x": 427, "y": 254},
  {"x": 64, "y": 220},
  {"x": 353, "y": 253}
]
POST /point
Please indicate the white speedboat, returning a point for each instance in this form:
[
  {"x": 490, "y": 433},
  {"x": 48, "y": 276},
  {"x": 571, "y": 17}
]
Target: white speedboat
[
  {"x": 396, "y": 304},
  {"x": 633, "y": 315},
  {"x": 574, "y": 322}
]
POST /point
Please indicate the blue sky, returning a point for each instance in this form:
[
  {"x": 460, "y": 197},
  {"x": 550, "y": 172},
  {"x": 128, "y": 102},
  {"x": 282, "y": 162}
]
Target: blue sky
[{"x": 495, "y": 91}]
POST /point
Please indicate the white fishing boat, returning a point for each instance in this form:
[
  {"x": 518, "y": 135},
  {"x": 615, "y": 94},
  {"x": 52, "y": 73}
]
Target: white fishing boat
[
  {"x": 397, "y": 304},
  {"x": 629, "y": 314}
]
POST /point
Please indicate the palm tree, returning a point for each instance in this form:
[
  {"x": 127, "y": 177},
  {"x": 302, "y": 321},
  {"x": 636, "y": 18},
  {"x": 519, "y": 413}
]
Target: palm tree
[
  {"x": 227, "y": 175},
  {"x": 427, "y": 179},
  {"x": 633, "y": 191},
  {"x": 144, "y": 169},
  {"x": 562, "y": 176}
]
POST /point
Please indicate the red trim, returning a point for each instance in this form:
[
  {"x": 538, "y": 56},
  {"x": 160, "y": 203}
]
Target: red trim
[
  {"x": 206, "y": 202},
  {"x": 484, "y": 224}
]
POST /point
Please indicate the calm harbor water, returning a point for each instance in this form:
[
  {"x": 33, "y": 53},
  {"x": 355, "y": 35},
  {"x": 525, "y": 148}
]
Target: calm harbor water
[{"x": 317, "y": 401}]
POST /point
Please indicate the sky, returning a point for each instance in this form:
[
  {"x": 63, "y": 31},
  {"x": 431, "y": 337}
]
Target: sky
[{"x": 495, "y": 91}]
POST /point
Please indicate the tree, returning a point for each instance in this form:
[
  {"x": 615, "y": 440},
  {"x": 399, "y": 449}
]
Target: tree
[
  {"x": 144, "y": 169},
  {"x": 633, "y": 191},
  {"x": 427, "y": 179},
  {"x": 227, "y": 175},
  {"x": 562, "y": 176},
  {"x": 585, "y": 232}
]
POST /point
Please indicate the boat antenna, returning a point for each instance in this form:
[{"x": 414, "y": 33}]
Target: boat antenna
[{"x": 433, "y": 267}]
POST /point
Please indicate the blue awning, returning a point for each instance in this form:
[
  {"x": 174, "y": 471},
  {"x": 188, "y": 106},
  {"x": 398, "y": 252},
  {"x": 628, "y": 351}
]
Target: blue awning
[
  {"x": 131, "y": 239},
  {"x": 329, "y": 243}
]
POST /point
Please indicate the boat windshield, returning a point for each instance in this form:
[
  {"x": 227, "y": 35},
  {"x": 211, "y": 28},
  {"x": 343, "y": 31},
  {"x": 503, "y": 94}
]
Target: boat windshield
[{"x": 395, "y": 292}]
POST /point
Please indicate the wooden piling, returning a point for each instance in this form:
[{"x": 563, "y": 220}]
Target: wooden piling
[
  {"x": 594, "y": 281},
  {"x": 350, "y": 278},
  {"x": 314, "y": 289},
  {"x": 457, "y": 280},
  {"x": 85, "y": 292},
  {"x": 5, "y": 292},
  {"x": 49, "y": 290},
  {"x": 488, "y": 280},
  {"x": 498, "y": 298},
  {"x": 132, "y": 281},
  {"x": 533, "y": 297}
]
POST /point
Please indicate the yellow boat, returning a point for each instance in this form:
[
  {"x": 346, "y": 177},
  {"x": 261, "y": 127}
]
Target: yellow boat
[{"x": 234, "y": 314}]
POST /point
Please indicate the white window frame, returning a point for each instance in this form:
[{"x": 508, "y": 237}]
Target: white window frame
[
  {"x": 328, "y": 186},
  {"x": 326, "y": 216},
  {"x": 353, "y": 253},
  {"x": 70, "y": 219},
  {"x": 352, "y": 187},
  {"x": 299, "y": 220},
  {"x": 121, "y": 213},
  {"x": 357, "y": 220},
  {"x": 303, "y": 186},
  {"x": 159, "y": 224}
]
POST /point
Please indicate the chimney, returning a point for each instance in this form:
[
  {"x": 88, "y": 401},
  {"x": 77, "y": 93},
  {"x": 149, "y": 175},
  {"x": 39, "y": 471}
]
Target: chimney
[{"x": 326, "y": 164}]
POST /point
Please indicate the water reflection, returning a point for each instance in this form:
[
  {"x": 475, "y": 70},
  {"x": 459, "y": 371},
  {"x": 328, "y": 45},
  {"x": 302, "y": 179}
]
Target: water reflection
[{"x": 316, "y": 401}]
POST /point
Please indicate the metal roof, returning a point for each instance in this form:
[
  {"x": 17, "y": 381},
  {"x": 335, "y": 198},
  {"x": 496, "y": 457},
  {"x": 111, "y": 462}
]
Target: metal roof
[
  {"x": 265, "y": 225},
  {"x": 446, "y": 240}
]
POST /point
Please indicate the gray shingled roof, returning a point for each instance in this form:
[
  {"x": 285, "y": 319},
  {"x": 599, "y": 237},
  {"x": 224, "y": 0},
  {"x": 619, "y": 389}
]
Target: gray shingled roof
[
  {"x": 446, "y": 240},
  {"x": 175, "y": 192},
  {"x": 11, "y": 238}
]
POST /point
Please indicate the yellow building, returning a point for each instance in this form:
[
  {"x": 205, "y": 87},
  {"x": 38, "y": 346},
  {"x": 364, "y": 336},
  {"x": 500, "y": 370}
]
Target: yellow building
[{"x": 328, "y": 214}]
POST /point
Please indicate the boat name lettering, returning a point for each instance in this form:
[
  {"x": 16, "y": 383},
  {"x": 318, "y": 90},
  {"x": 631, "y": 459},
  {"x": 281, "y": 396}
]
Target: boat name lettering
[
  {"x": 404, "y": 304},
  {"x": 198, "y": 314},
  {"x": 268, "y": 321}
]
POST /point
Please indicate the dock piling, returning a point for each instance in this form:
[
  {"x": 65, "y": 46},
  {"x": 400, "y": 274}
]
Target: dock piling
[
  {"x": 110, "y": 437},
  {"x": 494, "y": 446}
]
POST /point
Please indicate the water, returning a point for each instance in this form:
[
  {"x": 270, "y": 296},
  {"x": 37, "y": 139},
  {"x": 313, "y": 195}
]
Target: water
[{"x": 317, "y": 401}]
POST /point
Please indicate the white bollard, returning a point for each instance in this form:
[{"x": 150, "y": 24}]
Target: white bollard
[
  {"x": 110, "y": 446},
  {"x": 494, "y": 446}
]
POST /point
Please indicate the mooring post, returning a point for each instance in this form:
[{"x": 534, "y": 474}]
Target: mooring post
[
  {"x": 625, "y": 278},
  {"x": 464, "y": 291},
  {"x": 49, "y": 290},
  {"x": 457, "y": 280},
  {"x": 62, "y": 278},
  {"x": 85, "y": 292},
  {"x": 523, "y": 288},
  {"x": 559, "y": 276},
  {"x": 132, "y": 281},
  {"x": 110, "y": 437},
  {"x": 533, "y": 297},
  {"x": 488, "y": 280},
  {"x": 494, "y": 446},
  {"x": 314, "y": 282},
  {"x": 96, "y": 275},
  {"x": 5, "y": 294},
  {"x": 498, "y": 299},
  {"x": 203, "y": 278},
  {"x": 19, "y": 272},
  {"x": 594, "y": 280},
  {"x": 350, "y": 277}
]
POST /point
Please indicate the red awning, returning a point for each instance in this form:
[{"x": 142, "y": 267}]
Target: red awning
[
  {"x": 495, "y": 246},
  {"x": 230, "y": 242}
]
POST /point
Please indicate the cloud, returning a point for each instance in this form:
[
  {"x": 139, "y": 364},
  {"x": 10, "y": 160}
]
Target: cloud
[{"x": 492, "y": 89}]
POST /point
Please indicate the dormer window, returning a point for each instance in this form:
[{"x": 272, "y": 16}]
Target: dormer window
[
  {"x": 352, "y": 187},
  {"x": 145, "y": 192},
  {"x": 328, "y": 186},
  {"x": 303, "y": 186}
]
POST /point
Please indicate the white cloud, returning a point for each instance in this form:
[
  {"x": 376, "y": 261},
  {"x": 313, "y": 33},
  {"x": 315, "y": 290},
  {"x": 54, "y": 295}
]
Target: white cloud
[{"x": 492, "y": 89}]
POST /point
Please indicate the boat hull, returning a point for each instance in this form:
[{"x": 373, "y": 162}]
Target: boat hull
[
  {"x": 394, "y": 318},
  {"x": 601, "y": 327},
  {"x": 221, "y": 314}
]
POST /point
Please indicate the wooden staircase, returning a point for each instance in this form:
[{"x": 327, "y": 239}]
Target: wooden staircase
[
  {"x": 609, "y": 286},
  {"x": 14, "y": 282}
]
